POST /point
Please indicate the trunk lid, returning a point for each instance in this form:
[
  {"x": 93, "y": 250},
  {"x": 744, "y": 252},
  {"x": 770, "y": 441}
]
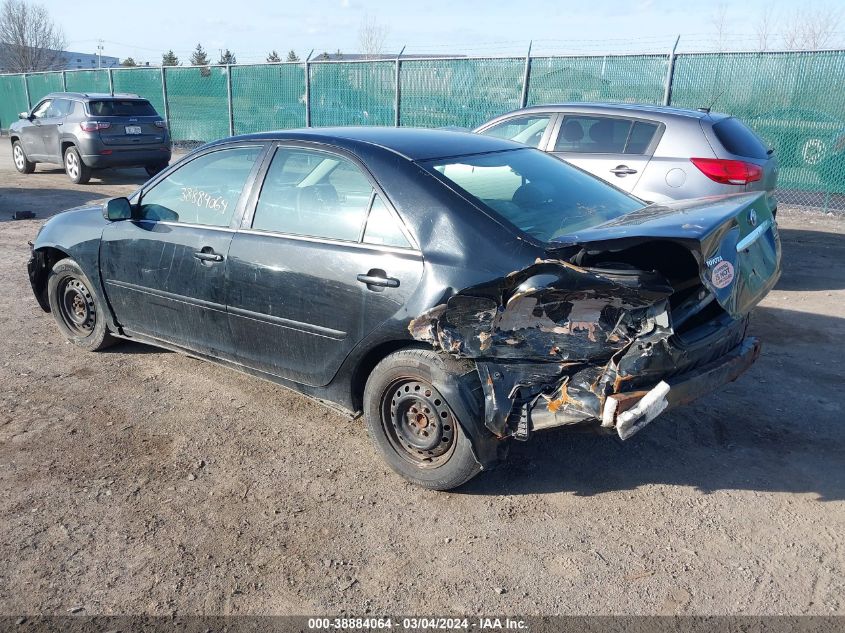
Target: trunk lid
[
  {"x": 734, "y": 240},
  {"x": 128, "y": 131}
]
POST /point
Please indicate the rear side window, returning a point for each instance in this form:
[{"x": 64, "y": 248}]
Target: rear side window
[
  {"x": 120, "y": 107},
  {"x": 604, "y": 135},
  {"x": 522, "y": 129},
  {"x": 739, "y": 140}
]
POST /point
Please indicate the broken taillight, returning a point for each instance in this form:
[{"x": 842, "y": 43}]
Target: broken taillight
[{"x": 728, "y": 172}]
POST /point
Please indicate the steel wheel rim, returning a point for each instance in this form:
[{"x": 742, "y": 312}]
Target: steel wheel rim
[
  {"x": 72, "y": 165},
  {"x": 418, "y": 423},
  {"x": 76, "y": 306},
  {"x": 19, "y": 159}
]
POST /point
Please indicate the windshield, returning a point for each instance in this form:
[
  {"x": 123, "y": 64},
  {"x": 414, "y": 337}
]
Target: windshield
[{"x": 538, "y": 193}]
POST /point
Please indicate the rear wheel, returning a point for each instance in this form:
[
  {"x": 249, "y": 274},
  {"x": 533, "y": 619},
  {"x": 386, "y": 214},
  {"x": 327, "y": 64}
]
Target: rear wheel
[
  {"x": 78, "y": 172},
  {"x": 78, "y": 310},
  {"x": 152, "y": 170},
  {"x": 22, "y": 163},
  {"x": 412, "y": 424}
]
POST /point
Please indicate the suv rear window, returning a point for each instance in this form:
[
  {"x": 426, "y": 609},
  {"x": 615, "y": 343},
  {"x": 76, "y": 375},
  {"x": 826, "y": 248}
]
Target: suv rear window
[
  {"x": 739, "y": 140},
  {"x": 117, "y": 107}
]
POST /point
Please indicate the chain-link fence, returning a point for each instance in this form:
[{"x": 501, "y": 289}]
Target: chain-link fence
[{"x": 794, "y": 100}]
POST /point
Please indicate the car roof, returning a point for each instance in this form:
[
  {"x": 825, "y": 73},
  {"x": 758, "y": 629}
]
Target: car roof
[
  {"x": 624, "y": 109},
  {"x": 96, "y": 96},
  {"x": 411, "y": 143}
]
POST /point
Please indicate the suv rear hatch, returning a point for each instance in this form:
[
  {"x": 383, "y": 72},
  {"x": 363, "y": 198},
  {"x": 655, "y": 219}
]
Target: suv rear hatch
[{"x": 130, "y": 122}]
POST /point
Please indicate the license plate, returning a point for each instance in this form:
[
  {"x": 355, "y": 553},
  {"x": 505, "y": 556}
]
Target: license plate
[{"x": 133, "y": 129}]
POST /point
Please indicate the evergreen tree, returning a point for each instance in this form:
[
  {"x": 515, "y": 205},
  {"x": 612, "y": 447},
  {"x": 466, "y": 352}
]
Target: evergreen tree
[
  {"x": 227, "y": 57},
  {"x": 128, "y": 63},
  {"x": 292, "y": 56},
  {"x": 199, "y": 57},
  {"x": 324, "y": 55},
  {"x": 273, "y": 57},
  {"x": 169, "y": 59}
]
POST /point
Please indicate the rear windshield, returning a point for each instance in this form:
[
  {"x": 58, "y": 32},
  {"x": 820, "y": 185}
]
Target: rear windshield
[
  {"x": 128, "y": 107},
  {"x": 739, "y": 140},
  {"x": 538, "y": 193}
]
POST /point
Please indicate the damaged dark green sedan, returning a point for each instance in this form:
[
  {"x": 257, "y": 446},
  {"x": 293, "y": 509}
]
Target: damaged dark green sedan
[{"x": 459, "y": 291}]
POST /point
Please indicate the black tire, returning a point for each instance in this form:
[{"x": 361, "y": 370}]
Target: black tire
[
  {"x": 412, "y": 425},
  {"x": 78, "y": 310},
  {"x": 22, "y": 163},
  {"x": 78, "y": 172},
  {"x": 153, "y": 170}
]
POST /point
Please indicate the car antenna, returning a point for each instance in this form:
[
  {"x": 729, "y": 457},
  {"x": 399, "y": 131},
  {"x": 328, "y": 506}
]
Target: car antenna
[{"x": 712, "y": 103}]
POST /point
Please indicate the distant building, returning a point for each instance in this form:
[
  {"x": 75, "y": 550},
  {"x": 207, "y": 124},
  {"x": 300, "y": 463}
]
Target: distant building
[{"x": 71, "y": 60}]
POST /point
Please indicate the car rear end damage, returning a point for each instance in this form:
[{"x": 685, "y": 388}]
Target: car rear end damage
[{"x": 620, "y": 322}]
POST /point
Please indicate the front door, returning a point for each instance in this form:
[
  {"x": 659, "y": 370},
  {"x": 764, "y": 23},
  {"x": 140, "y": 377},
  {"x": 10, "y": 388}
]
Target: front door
[
  {"x": 56, "y": 114},
  {"x": 32, "y": 137},
  {"x": 319, "y": 265},
  {"x": 613, "y": 148},
  {"x": 164, "y": 271}
]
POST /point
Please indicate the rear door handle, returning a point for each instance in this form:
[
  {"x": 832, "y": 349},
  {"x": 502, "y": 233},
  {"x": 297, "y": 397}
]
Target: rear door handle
[
  {"x": 623, "y": 170},
  {"x": 378, "y": 280},
  {"x": 208, "y": 256}
]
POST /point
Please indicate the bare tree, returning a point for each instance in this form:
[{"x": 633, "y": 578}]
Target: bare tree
[
  {"x": 812, "y": 29},
  {"x": 719, "y": 20},
  {"x": 371, "y": 37},
  {"x": 29, "y": 40},
  {"x": 765, "y": 27}
]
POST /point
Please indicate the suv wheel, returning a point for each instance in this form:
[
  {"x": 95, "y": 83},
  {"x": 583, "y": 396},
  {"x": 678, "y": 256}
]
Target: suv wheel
[
  {"x": 412, "y": 425},
  {"x": 152, "y": 170},
  {"x": 22, "y": 163},
  {"x": 78, "y": 172}
]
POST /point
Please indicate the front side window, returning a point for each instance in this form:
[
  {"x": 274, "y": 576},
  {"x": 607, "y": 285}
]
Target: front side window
[
  {"x": 59, "y": 108},
  {"x": 313, "y": 193},
  {"x": 527, "y": 130},
  {"x": 41, "y": 110},
  {"x": 538, "y": 193},
  {"x": 203, "y": 191}
]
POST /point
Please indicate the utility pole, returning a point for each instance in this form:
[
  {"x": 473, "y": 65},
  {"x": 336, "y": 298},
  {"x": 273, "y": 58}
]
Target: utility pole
[{"x": 99, "y": 53}]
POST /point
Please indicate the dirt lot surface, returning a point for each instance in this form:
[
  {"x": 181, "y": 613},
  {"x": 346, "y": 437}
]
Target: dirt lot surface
[{"x": 141, "y": 481}]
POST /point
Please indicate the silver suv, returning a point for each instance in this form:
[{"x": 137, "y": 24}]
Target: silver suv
[
  {"x": 656, "y": 153},
  {"x": 83, "y": 132}
]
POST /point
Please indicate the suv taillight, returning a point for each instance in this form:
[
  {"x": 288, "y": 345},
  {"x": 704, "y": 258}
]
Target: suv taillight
[
  {"x": 161, "y": 124},
  {"x": 93, "y": 126},
  {"x": 728, "y": 172}
]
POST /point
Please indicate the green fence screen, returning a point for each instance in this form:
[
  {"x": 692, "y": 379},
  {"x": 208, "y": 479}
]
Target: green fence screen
[
  {"x": 794, "y": 100},
  {"x": 270, "y": 97},
  {"x": 12, "y": 99},
  {"x": 459, "y": 92}
]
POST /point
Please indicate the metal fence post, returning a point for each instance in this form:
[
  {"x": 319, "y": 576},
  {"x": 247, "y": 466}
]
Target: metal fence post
[
  {"x": 26, "y": 89},
  {"x": 670, "y": 74},
  {"x": 526, "y": 75},
  {"x": 396, "y": 96},
  {"x": 229, "y": 99},
  {"x": 308, "y": 90},
  {"x": 164, "y": 97},
  {"x": 111, "y": 81},
  {"x": 64, "y": 82}
]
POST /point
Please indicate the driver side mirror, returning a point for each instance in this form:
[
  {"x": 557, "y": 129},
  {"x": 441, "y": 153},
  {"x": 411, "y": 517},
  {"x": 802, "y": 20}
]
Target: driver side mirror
[
  {"x": 117, "y": 209},
  {"x": 23, "y": 115}
]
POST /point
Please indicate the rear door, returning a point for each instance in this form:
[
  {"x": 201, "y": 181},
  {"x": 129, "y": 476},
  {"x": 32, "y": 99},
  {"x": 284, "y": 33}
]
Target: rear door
[
  {"x": 322, "y": 260},
  {"x": 131, "y": 122},
  {"x": 616, "y": 149},
  {"x": 164, "y": 271}
]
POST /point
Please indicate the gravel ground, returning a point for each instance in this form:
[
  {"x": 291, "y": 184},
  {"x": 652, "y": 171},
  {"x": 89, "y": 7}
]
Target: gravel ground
[{"x": 141, "y": 481}]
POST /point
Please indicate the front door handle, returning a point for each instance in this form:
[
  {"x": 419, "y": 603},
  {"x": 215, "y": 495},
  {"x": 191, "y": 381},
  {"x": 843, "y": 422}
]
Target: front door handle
[
  {"x": 623, "y": 170},
  {"x": 378, "y": 278},
  {"x": 208, "y": 256}
]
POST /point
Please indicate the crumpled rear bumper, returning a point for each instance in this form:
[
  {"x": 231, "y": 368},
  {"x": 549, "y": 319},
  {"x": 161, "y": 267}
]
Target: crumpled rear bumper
[{"x": 628, "y": 412}]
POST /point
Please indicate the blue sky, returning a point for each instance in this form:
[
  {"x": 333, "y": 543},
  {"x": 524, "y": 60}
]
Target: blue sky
[{"x": 252, "y": 28}]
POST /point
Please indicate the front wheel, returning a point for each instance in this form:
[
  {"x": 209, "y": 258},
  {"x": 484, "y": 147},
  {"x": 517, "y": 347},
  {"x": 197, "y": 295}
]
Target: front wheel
[
  {"x": 77, "y": 308},
  {"x": 412, "y": 425},
  {"x": 22, "y": 163},
  {"x": 78, "y": 172}
]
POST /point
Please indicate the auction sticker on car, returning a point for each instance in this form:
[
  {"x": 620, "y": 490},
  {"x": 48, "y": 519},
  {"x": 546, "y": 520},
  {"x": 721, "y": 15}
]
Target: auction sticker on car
[
  {"x": 133, "y": 129},
  {"x": 722, "y": 274}
]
